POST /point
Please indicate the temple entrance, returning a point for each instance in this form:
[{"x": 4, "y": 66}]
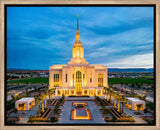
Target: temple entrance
[{"x": 78, "y": 83}]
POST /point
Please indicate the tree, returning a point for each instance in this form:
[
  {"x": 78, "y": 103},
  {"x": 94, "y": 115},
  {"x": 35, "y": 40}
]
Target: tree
[
  {"x": 53, "y": 92},
  {"x": 49, "y": 93},
  {"x": 108, "y": 89},
  {"x": 123, "y": 102},
  {"x": 110, "y": 93},
  {"x": 118, "y": 98},
  {"x": 116, "y": 95},
  {"x": 42, "y": 97},
  {"x": 45, "y": 94},
  {"x": 38, "y": 100},
  {"x": 105, "y": 88}
]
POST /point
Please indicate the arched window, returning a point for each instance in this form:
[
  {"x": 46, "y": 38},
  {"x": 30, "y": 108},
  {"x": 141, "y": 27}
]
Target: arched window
[
  {"x": 66, "y": 78},
  {"x": 56, "y": 80},
  {"x": 100, "y": 80},
  {"x": 90, "y": 77}
]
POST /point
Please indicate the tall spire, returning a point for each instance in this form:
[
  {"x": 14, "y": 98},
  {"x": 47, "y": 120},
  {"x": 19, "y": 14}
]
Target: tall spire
[
  {"x": 77, "y": 23},
  {"x": 77, "y": 34}
]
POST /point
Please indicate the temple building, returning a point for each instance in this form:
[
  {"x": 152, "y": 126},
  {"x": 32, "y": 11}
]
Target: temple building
[{"x": 78, "y": 77}]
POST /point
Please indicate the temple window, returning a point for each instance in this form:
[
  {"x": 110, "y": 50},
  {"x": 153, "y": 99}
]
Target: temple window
[
  {"x": 66, "y": 78},
  {"x": 73, "y": 79},
  {"x": 90, "y": 77},
  {"x": 100, "y": 80},
  {"x": 56, "y": 80}
]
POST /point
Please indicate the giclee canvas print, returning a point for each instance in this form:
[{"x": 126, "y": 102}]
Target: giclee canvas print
[{"x": 80, "y": 65}]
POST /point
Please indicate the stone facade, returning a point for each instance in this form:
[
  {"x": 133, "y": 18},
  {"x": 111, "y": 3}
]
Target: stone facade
[{"x": 78, "y": 77}]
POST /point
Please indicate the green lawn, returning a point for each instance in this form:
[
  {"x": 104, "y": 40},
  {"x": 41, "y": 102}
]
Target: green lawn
[
  {"x": 110, "y": 80},
  {"x": 129, "y": 81},
  {"x": 147, "y": 77},
  {"x": 30, "y": 80}
]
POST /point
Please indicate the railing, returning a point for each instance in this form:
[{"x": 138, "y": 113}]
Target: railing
[
  {"x": 116, "y": 112},
  {"x": 45, "y": 113}
]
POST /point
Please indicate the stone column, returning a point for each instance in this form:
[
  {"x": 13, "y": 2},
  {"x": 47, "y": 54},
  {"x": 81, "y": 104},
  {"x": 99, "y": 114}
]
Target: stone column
[
  {"x": 61, "y": 92},
  {"x": 27, "y": 105},
  {"x": 56, "y": 92}
]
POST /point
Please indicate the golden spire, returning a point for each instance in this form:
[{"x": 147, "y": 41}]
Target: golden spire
[
  {"x": 77, "y": 34},
  {"x": 77, "y": 23}
]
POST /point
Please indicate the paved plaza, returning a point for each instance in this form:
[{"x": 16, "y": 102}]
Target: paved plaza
[
  {"x": 66, "y": 114},
  {"x": 97, "y": 118}
]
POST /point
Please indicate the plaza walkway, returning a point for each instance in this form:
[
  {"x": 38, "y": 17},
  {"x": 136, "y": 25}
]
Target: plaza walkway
[
  {"x": 66, "y": 114},
  {"x": 25, "y": 117}
]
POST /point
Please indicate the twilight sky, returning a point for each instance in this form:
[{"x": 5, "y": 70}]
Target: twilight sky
[{"x": 118, "y": 37}]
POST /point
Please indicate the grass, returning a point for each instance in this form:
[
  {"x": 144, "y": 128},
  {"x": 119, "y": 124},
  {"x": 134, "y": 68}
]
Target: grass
[
  {"x": 129, "y": 81},
  {"x": 147, "y": 77},
  {"x": 30, "y": 80},
  {"x": 110, "y": 80}
]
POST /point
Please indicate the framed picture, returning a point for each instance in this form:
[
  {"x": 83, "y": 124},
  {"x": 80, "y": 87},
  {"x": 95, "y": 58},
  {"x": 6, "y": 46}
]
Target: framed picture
[{"x": 79, "y": 64}]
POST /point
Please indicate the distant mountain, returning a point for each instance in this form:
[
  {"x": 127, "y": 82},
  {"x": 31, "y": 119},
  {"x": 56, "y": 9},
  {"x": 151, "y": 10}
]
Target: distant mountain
[
  {"x": 109, "y": 70},
  {"x": 130, "y": 70},
  {"x": 25, "y": 70}
]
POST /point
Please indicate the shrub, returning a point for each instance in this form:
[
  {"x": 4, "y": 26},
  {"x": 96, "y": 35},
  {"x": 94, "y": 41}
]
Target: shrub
[
  {"x": 145, "y": 110},
  {"x": 54, "y": 119},
  {"x": 15, "y": 110},
  {"x": 150, "y": 105}
]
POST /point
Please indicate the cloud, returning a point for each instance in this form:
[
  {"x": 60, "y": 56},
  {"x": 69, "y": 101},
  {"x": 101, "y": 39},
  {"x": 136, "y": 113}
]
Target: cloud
[
  {"x": 136, "y": 61},
  {"x": 42, "y": 36}
]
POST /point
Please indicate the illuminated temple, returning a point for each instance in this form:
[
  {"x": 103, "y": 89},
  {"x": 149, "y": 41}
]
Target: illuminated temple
[{"x": 78, "y": 77}]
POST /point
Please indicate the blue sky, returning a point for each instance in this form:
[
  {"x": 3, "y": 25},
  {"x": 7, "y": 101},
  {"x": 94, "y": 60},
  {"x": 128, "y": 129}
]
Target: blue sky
[{"x": 118, "y": 37}]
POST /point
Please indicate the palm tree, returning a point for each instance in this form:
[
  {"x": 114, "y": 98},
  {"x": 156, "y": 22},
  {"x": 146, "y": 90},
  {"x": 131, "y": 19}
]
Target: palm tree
[
  {"x": 123, "y": 102},
  {"x": 49, "y": 93},
  {"x": 116, "y": 95},
  {"x": 108, "y": 89},
  {"x": 52, "y": 93},
  {"x": 38, "y": 100},
  {"x": 45, "y": 105},
  {"x": 118, "y": 99},
  {"x": 54, "y": 89},
  {"x": 110, "y": 94},
  {"x": 105, "y": 88},
  {"x": 42, "y": 97}
]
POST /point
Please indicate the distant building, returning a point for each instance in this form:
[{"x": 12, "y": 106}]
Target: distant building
[
  {"x": 78, "y": 77},
  {"x": 25, "y": 104}
]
